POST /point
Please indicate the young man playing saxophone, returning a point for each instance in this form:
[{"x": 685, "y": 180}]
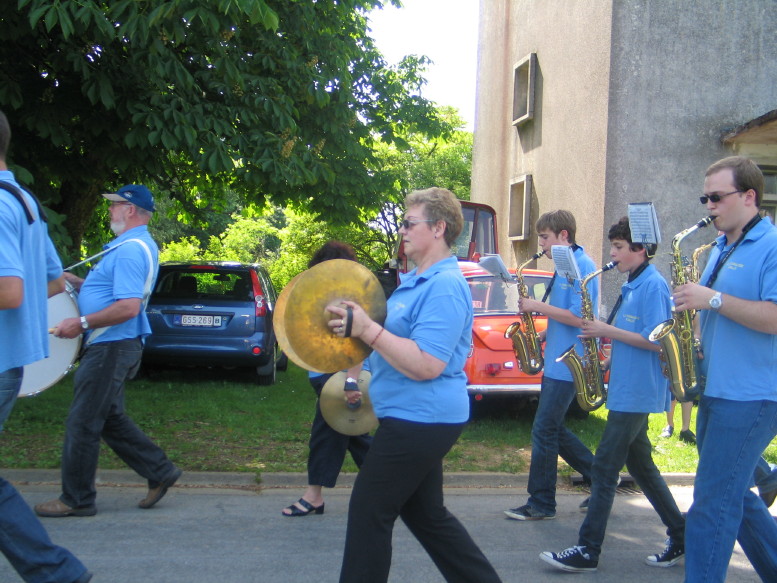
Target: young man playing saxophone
[
  {"x": 550, "y": 437},
  {"x": 737, "y": 416}
]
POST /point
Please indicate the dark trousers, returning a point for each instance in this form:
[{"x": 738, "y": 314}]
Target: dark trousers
[
  {"x": 328, "y": 447},
  {"x": 402, "y": 476},
  {"x": 97, "y": 411},
  {"x": 625, "y": 441}
]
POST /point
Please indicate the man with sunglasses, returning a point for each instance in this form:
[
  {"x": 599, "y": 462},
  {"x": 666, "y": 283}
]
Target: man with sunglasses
[
  {"x": 737, "y": 416},
  {"x": 112, "y": 300}
]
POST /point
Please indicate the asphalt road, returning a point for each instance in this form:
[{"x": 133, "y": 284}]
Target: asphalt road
[{"x": 216, "y": 528}]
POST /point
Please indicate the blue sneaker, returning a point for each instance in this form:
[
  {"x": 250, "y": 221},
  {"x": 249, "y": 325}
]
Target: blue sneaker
[
  {"x": 670, "y": 555},
  {"x": 573, "y": 560},
  {"x": 526, "y": 512}
]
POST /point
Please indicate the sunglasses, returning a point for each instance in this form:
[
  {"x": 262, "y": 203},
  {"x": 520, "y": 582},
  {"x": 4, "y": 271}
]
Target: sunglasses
[
  {"x": 715, "y": 197},
  {"x": 405, "y": 224}
]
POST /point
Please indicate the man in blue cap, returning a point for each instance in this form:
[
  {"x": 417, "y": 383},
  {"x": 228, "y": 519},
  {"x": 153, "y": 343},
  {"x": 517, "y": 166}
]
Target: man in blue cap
[{"x": 112, "y": 299}]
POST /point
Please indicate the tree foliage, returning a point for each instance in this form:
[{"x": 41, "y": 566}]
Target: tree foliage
[
  {"x": 285, "y": 239},
  {"x": 275, "y": 100}
]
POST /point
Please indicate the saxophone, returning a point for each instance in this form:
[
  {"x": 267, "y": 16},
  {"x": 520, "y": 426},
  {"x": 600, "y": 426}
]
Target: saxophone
[
  {"x": 526, "y": 341},
  {"x": 678, "y": 346},
  {"x": 587, "y": 372}
]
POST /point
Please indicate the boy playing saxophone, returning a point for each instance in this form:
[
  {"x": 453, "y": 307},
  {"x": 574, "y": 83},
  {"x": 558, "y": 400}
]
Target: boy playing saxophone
[{"x": 637, "y": 388}]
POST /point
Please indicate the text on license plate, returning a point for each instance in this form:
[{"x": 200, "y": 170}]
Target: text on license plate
[{"x": 197, "y": 320}]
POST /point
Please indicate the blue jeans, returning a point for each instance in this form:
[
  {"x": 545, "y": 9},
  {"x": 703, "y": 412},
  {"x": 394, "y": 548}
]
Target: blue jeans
[
  {"x": 23, "y": 540},
  {"x": 97, "y": 411},
  {"x": 551, "y": 438},
  {"x": 625, "y": 442},
  {"x": 10, "y": 383},
  {"x": 730, "y": 435}
]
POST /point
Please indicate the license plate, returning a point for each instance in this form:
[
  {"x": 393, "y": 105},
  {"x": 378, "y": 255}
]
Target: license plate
[{"x": 198, "y": 320}]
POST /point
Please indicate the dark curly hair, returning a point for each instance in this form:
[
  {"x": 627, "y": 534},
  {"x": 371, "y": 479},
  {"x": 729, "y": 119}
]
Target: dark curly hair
[{"x": 332, "y": 250}]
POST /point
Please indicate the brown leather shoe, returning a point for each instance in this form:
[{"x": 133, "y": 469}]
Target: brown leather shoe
[
  {"x": 155, "y": 494},
  {"x": 57, "y": 509}
]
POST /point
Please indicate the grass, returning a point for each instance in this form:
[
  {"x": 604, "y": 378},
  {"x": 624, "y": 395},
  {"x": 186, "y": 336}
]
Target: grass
[{"x": 220, "y": 421}]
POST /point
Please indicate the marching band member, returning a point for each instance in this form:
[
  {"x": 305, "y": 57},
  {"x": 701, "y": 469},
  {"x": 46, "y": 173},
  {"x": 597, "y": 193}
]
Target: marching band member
[{"x": 737, "y": 414}]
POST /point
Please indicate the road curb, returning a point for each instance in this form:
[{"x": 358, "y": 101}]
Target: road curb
[{"x": 278, "y": 480}]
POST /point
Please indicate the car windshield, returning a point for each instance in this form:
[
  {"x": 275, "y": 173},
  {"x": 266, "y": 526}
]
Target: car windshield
[
  {"x": 212, "y": 284},
  {"x": 490, "y": 295}
]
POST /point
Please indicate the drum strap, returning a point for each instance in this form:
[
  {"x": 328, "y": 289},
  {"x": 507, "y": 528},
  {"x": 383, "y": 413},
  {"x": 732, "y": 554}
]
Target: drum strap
[
  {"x": 97, "y": 332},
  {"x": 17, "y": 194}
]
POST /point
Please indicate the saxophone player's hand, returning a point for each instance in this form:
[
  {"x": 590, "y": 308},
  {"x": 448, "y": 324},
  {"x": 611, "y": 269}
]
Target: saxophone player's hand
[
  {"x": 692, "y": 296},
  {"x": 528, "y": 305},
  {"x": 594, "y": 329}
]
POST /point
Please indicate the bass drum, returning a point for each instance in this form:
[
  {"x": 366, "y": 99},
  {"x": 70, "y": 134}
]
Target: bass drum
[{"x": 63, "y": 352}]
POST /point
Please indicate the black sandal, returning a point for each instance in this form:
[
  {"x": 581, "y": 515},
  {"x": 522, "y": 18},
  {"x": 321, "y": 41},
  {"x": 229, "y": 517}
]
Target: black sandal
[{"x": 309, "y": 508}]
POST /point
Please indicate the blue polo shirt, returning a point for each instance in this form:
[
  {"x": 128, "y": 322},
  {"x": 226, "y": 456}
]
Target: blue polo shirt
[
  {"x": 434, "y": 309},
  {"x": 740, "y": 363},
  {"x": 637, "y": 383},
  {"x": 120, "y": 274},
  {"x": 26, "y": 252},
  {"x": 567, "y": 296}
]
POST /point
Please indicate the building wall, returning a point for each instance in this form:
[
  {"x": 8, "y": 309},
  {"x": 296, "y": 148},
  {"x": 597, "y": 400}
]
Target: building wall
[
  {"x": 633, "y": 97},
  {"x": 564, "y": 146},
  {"x": 682, "y": 75}
]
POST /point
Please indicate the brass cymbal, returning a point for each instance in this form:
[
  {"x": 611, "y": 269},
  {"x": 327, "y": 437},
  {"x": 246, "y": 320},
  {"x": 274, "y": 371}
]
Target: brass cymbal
[
  {"x": 301, "y": 316},
  {"x": 334, "y": 406}
]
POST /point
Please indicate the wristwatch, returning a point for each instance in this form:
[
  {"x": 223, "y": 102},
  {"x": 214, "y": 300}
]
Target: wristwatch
[
  {"x": 351, "y": 384},
  {"x": 716, "y": 301},
  {"x": 84, "y": 323}
]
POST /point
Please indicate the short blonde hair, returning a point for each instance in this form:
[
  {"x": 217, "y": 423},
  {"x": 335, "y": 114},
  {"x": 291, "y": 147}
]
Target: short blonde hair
[{"x": 440, "y": 204}]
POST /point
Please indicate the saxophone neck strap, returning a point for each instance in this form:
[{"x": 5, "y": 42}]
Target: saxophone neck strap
[{"x": 725, "y": 256}]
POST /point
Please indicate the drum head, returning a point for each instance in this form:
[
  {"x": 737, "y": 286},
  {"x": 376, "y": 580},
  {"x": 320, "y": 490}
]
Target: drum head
[{"x": 44, "y": 373}]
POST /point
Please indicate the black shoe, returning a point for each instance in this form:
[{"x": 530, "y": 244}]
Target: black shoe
[
  {"x": 670, "y": 556},
  {"x": 768, "y": 497},
  {"x": 687, "y": 436},
  {"x": 573, "y": 559}
]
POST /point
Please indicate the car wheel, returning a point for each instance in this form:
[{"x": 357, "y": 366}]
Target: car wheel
[
  {"x": 283, "y": 362},
  {"x": 265, "y": 375}
]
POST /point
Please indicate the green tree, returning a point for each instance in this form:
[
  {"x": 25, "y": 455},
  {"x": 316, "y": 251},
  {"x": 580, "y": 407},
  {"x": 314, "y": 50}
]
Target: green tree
[
  {"x": 444, "y": 161},
  {"x": 275, "y": 100}
]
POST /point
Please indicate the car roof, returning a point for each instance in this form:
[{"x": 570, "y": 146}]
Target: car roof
[
  {"x": 469, "y": 269},
  {"x": 206, "y": 264}
]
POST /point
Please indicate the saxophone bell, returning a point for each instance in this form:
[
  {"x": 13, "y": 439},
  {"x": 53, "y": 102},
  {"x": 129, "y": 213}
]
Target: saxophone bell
[
  {"x": 526, "y": 342},
  {"x": 587, "y": 375},
  {"x": 678, "y": 346}
]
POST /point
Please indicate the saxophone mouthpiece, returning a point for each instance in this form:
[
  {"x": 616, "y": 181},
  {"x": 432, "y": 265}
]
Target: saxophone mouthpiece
[
  {"x": 609, "y": 266},
  {"x": 705, "y": 221}
]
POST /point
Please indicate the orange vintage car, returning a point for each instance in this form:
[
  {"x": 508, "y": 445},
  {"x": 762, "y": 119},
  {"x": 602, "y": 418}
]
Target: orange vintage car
[{"x": 491, "y": 366}]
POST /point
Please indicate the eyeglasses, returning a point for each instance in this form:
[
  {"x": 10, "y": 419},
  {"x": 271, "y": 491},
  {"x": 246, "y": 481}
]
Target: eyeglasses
[
  {"x": 405, "y": 224},
  {"x": 715, "y": 196},
  {"x": 119, "y": 204}
]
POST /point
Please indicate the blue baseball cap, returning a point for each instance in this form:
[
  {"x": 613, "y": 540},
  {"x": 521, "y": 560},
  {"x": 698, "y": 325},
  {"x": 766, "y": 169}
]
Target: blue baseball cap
[{"x": 137, "y": 194}]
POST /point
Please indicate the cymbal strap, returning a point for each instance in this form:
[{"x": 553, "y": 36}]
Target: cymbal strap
[{"x": 348, "y": 321}]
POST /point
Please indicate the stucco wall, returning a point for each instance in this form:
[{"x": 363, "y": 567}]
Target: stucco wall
[
  {"x": 633, "y": 97},
  {"x": 682, "y": 75},
  {"x": 564, "y": 146}
]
